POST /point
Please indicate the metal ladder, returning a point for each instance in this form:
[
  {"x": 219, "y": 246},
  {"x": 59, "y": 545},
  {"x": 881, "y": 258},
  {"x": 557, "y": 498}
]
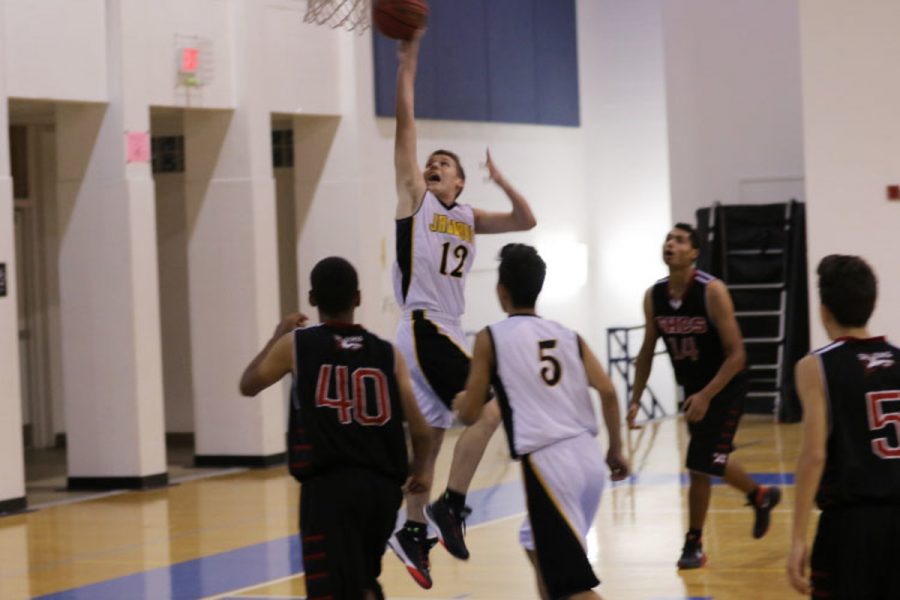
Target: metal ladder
[{"x": 754, "y": 266}]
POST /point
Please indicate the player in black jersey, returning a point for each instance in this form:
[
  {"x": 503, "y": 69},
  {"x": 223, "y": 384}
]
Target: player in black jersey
[
  {"x": 692, "y": 311},
  {"x": 850, "y": 458},
  {"x": 347, "y": 447}
]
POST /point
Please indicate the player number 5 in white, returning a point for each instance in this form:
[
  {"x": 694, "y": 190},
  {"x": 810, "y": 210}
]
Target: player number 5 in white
[{"x": 551, "y": 371}]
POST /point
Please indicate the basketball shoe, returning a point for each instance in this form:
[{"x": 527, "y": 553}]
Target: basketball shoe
[
  {"x": 763, "y": 500},
  {"x": 412, "y": 550},
  {"x": 450, "y": 524},
  {"x": 692, "y": 556}
]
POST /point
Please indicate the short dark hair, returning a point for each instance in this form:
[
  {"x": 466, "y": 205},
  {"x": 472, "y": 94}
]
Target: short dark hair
[
  {"x": 847, "y": 286},
  {"x": 522, "y": 273},
  {"x": 695, "y": 237},
  {"x": 334, "y": 283}
]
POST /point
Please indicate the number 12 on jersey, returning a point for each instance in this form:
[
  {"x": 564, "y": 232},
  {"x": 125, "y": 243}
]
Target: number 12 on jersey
[{"x": 460, "y": 253}]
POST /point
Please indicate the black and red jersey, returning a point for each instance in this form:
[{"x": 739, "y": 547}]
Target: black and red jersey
[
  {"x": 692, "y": 339},
  {"x": 345, "y": 406},
  {"x": 862, "y": 392}
]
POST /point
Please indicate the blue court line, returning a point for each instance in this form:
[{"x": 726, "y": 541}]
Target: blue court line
[
  {"x": 276, "y": 559},
  {"x": 685, "y": 479}
]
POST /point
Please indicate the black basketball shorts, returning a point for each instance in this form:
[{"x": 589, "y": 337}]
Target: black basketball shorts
[
  {"x": 436, "y": 352},
  {"x": 346, "y": 518},
  {"x": 712, "y": 438},
  {"x": 856, "y": 554}
]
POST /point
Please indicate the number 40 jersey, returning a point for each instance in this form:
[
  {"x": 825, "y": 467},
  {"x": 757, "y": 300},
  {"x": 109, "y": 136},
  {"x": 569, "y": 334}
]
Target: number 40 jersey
[
  {"x": 541, "y": 383},
  {"x": 435, "y": 250},
  {"x": 345, "y": 407}
]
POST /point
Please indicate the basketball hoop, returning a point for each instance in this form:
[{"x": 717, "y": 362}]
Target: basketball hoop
[{"x": 352, "y": 15}]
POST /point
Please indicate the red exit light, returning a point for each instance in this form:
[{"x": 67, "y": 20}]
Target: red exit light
[{"x": 189, "y": 60}]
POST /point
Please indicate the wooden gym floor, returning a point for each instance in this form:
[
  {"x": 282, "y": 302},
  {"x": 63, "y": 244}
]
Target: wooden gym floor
[{"x": 233, "y": 535}]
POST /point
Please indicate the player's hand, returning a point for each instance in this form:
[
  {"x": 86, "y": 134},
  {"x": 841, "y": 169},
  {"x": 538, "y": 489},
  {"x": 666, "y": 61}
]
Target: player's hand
[
  {"x": 493, "y": 173},
  {"x": 619, "y": 468},
  {"x": 796, "y": 568},
  {"x": 458, "y": 401},
  {"x": 633, "y": 408},
  {"x": 290, "y": 323},
  {"x": 695, "y": 407}
]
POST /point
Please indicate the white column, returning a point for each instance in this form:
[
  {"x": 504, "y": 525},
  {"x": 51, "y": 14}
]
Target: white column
[
  {"x": 233, "y": 262},
  {"x": 12, "y": 484},
  {"x": 112, "y": 369}
]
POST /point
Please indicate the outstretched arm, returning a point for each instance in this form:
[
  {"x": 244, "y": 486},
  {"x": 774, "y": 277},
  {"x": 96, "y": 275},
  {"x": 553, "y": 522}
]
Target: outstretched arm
[
  {"x": 275, "y": 360},
  {"x": 609, "y": 402},
  {"x": 520, "y": 218},
  {"x": 809, "y": 466},
  {"x": 644, "y": 362},
  {"x": 410, "y": 184},
  {"x": 470, "y": 401}
]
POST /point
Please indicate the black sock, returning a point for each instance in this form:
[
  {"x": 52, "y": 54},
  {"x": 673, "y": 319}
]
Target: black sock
[
  {"x": 694, "y": 534},
  {"x": 415, "y": 528},
  {"x": 751, "y": 496},
  {"x": 455, "y": 500}
]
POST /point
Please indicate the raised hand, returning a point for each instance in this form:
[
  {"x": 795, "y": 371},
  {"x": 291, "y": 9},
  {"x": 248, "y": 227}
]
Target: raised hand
[
  {"x": 493, "y": 173},
  {"x": 290, "y": 323}
]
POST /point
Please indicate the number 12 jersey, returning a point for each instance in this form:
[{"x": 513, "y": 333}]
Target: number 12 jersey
[{"x": 435, "y": 250}]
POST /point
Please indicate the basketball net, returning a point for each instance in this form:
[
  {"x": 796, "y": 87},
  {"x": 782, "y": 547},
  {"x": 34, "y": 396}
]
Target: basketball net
[{"x": 352, "y": 15}]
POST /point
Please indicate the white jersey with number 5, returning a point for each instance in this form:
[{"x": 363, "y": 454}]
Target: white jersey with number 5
[
  {"x": 541, "y": 383},
  {"x": 435, "y": 250}
]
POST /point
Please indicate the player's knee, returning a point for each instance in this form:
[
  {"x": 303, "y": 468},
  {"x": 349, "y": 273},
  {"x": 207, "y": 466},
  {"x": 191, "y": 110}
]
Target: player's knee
[{"x": 698, "y": 477}]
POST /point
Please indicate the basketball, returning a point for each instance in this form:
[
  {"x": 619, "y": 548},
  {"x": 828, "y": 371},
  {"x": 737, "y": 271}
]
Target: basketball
[{"x": 399, "y": 19}]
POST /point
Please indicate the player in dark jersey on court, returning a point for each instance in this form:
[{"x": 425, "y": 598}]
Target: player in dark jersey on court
[
  {"x": 692, "y": 311},
  {"x": 435, "y": 250},
  {"x": 347, "y": 446},
  {"x": 542, "y": 372},
  {"x": 849, "y": 462}
]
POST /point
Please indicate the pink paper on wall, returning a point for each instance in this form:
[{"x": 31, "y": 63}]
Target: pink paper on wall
[{"x": 137, "y": 145}]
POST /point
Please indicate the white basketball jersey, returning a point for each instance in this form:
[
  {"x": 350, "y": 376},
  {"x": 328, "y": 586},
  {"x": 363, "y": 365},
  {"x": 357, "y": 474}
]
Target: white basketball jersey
[
  {"x": 435, "y": 250},
  {"x": 541, "y": 383}
]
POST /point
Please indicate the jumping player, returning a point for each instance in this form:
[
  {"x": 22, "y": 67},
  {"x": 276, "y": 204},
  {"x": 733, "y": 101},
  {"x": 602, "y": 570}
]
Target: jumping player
[
  {"x": 850, "y": 458},
  {"x": 435, "y": 250},
  {"x": 542, "y": 372},
  {"x": 347, "y": 448},
  {"x": 693, "y": 312}
]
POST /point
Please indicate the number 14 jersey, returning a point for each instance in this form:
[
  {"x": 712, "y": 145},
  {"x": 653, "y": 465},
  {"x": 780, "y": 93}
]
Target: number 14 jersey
[
  {"x": 541, "y": 383},
  {"x": 692, "y": 339},
  {"x": 435, "y": 250}
]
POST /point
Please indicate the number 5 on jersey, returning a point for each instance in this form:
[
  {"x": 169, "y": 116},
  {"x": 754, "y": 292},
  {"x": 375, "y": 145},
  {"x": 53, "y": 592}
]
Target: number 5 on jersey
[
  {"x": 355, "y": 406},
  {"x": 551, "y": 371},
  {"x": 880, "y": 416}
]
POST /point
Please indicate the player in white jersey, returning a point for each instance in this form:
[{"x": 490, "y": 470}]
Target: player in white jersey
[
  {"x": 435, "y": 250},
  {"x": 541, "y": 372}
]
